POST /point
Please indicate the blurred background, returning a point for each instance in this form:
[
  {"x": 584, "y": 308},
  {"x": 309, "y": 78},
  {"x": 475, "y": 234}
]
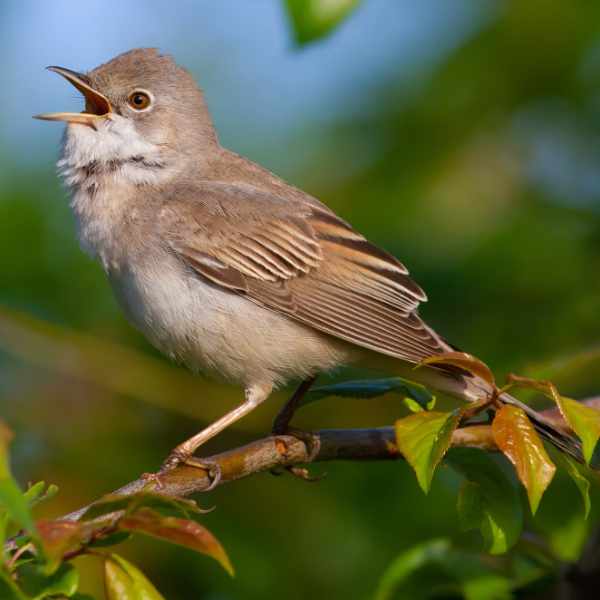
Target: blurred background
[{"x": 462, "y": 136}]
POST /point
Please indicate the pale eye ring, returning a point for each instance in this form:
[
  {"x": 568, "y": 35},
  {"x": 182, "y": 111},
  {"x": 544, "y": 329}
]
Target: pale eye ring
[{"x": 139, "y": 100}]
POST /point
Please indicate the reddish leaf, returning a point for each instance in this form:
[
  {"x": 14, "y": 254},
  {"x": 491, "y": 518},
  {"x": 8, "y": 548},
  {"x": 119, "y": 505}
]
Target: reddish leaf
[
  {"x": 545, "y": 387},
  {"x": 583, "y": 420},
  {"x": 463, "y": 361},
  {"x": 58, "y": 538},
  {"x": 178, "y": 531},
  {"x": 516, "y": 437}
]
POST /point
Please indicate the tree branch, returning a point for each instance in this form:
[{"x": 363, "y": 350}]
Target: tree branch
[{"x": 280, "y": 451}]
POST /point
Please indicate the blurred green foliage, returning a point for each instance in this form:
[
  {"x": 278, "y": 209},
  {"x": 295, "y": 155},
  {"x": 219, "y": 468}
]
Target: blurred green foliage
[
  {"x": 312, "y": 19},
  {"x": 480, "y": 173}
]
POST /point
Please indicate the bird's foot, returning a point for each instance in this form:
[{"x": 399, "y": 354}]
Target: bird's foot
[
  {"x": 175, "y": 459},
  {"x": 312, "y": 447}
]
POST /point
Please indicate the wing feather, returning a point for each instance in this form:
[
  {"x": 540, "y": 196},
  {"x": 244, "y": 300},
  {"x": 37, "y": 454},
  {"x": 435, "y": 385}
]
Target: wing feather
[{"x": 305, "y": 262}]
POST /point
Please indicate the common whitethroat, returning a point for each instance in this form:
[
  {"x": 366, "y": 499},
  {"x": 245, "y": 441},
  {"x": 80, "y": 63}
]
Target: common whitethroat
[{"x": 221, "y": 264}]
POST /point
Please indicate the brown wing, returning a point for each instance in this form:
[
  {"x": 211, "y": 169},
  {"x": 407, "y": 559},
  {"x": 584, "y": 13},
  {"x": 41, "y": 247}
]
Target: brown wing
[{"x": 305, "y": 262}]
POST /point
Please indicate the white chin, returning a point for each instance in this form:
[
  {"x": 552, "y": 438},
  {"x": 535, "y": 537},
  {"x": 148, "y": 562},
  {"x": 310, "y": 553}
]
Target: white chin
[
  {"x": 114, "y": 139},
  {"x": 115, "y": 142}
]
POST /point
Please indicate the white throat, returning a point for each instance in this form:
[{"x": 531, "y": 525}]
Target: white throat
[
  {"x": 115, "y": 148},
  {"x": 102, "y": 169}
]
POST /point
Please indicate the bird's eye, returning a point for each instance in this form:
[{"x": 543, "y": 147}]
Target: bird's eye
[{"x": 139, "y": 100}]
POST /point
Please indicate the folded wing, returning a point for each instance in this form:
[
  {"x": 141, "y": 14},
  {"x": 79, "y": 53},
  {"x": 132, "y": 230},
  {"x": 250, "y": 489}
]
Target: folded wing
[{"x": 303, "y": 261}]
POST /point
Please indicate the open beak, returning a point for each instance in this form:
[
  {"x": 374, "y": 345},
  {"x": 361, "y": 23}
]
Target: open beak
[{"x": 97, "y": 106}]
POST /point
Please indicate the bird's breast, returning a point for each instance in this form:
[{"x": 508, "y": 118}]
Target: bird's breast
[{"x": 219, "y": 332}]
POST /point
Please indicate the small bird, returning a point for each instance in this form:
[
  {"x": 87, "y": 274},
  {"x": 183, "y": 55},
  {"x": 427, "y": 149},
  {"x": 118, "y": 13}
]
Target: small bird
[{"x": 224, "y": 266}]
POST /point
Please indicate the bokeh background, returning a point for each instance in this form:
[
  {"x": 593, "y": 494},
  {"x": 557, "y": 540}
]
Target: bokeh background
[{"x": 463, "y": 136}]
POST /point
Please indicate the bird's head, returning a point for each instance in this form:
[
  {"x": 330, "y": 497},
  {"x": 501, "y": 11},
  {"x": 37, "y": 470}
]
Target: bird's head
[{"x": 140, "y": 106}]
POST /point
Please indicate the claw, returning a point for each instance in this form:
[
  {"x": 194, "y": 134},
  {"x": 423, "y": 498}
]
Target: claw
[
  {"x": 312, "y": 447},
  {"x": 154, "y": 478},
  {"x": 308, "y": 438},
  {"x": 212, "y": 468},
  {"x": 304, "y": 473}
]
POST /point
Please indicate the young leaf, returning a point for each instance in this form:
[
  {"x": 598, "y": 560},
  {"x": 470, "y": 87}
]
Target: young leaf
[
  {"x": 38, "y": 493},
  {"x": 487, "y": 500},
  {"x": 57, "y": 538},
  {"x": 567, "y": 540},
  {"x": 312, "y": 19},
  {"x": 11, "y": 497},
  {"x": 407, "y": 563},
  {"x": 123, "y": 581},
  {"x": 463, "y": 361},
  {"x": 516, "y": 437},
  {"x": 423, "y": 438},
  {"x": 37, "y": 584},
  {"x": 584, "y": 421},
  {"x": 582, "y": 483},
  {"x": 177, "y": 531},
  {"x": 158, "y": 502},
  {"x": 434, "y": 569},
  {"x": 8, "y": 588}
]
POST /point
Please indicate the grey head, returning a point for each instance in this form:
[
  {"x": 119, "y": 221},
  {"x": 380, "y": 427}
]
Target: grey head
[{"x": 138, "y": 106}]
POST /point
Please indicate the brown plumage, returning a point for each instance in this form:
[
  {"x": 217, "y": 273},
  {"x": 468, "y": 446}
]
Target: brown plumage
[
  {"x": 302, "y": 261},
  {"x": 220, "y": 263}
]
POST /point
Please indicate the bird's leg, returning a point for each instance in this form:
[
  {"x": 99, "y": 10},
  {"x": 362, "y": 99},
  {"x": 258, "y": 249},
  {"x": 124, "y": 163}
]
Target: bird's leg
[
  {"x": 183, "y": 453},
  {"x": 281, "y": 425},
  {"x": 285, "y": 415}
]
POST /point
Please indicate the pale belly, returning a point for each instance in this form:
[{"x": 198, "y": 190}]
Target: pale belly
[{"x": 220, "y": 333}]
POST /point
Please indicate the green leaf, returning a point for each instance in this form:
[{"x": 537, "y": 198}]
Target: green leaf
[
  {"x": 33, "y": 492},
  {"x": 37, "y": 584},
  {"x": 436, "y": 569},
  {"x": 486, "y": 586},
  {"x": 407, "y": 563},
  {"x": 567, "y": 537},
  {"x": 166, "y": 505},
  {"x": 312, "y": 19},
  {"x": 8, "y": 588},
  {"x": 423, "y": 439},
  {"x": 373, "y": 388},
  {"x": 38, "y": 493},
  {"x": 584, "y": 421},
  {"x": 11, "y": 498},
  {"x": 177, "y": 531},
  {"x": 469, "y": 504},
  {"x": 123, "y": 581},
  {"x": 580, "y": 480},
  {"x": 487, "y": 500},
  {"x": 3, "y": 532},
  {"x": 474, "y": 513},
  {"x": 516, "y": 437}
]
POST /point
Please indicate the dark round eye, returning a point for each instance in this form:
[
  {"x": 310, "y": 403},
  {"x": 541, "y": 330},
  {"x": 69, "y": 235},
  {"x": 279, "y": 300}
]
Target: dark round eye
[{"x": 139, "y": 100}]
